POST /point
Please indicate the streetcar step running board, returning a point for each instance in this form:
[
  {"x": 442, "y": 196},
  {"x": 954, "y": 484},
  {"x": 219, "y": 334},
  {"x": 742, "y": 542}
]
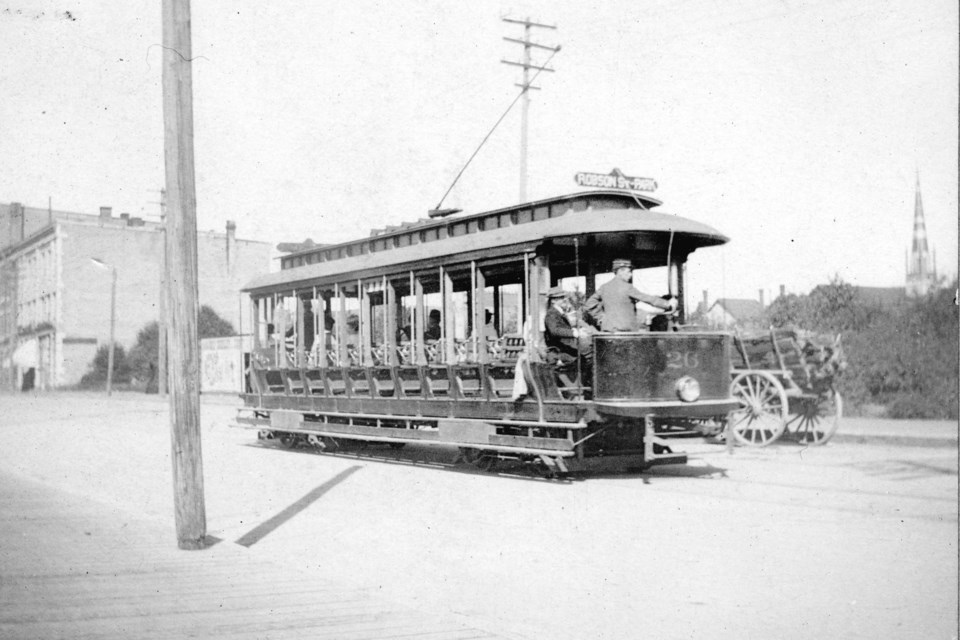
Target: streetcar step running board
[{"x": 652, "y": 442}]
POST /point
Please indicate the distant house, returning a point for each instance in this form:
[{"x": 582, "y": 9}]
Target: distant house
[{"x": 735, "y": 312}]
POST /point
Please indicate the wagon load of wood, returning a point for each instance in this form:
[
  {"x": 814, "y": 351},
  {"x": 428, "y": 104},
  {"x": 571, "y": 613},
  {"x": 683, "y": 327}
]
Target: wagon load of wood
[
  {"x": 812, "y": 360},
  {"x": 823, "y": 360}
]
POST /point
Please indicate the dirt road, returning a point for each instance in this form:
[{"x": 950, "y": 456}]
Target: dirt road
[{"x": 850, "y": 540}]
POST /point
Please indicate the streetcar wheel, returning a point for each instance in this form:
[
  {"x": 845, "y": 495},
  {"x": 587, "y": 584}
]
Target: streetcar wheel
[
  {"x": 815, "y": 420},
  {"x": 289, "y": 440},
  {"x": 762, "y": 415},
  {"x": 316, "y": 442},
  {"x": 487, "y": 461},
  {"x": 483, "y": 460}
]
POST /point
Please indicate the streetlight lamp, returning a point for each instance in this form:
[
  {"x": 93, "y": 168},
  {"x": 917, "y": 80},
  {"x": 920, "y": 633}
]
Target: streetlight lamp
[{"x": 113, "y": 317}]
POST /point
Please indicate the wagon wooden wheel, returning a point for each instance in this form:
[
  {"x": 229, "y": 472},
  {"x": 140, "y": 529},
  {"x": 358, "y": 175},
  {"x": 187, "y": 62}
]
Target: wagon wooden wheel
[
  {"x": 814, "y": 419},
  {"x": 762, "y": 415}
]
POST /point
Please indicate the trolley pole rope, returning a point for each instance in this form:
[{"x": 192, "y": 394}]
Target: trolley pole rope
[{"x": 494, "y": 128}]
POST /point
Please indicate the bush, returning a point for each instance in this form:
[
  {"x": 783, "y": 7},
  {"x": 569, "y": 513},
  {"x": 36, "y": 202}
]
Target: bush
[
  {"x": 911, "y": 407},
  {"x": 144, "y": 357},
  {"x": 905, "y": 358},
  {"x": 145, "y": 354},
  {"x": 96, "y": 377}
]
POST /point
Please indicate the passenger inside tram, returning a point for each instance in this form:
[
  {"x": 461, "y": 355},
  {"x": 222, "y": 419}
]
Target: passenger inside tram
[
  {"x": 433, "y": 331},
  {"x": 571, "y": 355}
]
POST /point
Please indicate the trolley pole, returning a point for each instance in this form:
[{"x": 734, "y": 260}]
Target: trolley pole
[
  {"x": 113, "y": 326},
  {"x": 181, "y": 276},
  {"x": 526, "y": 86}
]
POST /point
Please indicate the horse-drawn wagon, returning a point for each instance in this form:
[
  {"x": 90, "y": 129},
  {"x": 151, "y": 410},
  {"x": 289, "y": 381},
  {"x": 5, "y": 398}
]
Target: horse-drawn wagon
[{"x": 785, "y": 381}]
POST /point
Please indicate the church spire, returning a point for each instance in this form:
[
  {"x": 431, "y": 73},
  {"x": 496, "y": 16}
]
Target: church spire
[
  {"x": 921, "y": 277},
  {"x": 919, "y": 226}
]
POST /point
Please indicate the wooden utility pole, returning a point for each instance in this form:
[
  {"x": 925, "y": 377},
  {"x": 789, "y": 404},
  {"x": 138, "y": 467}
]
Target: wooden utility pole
[
  {"x": 183, "y": 309},
  {"x": 162, "y": 325},
  {"x": 526, "y": 86}
]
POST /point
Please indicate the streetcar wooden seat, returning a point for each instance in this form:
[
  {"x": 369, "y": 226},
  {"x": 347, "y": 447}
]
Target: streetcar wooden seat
[
  {"x": 359, "y": 382},
  {"x": 469, "y": 380},
  {"x": 405, "y": 353},
  {"x": 316, "y": 381},
  {"x": 336, "y": 383},
  {"x": 378, "y": 354},
  {"x": 295, "y": 382},
  {"x": 408, "y": 378},
  {"x": 433, "y": 350},
  {"x": 385, "y": 385},
  {"x": 500, "y": 377},
  {"x": 273, "y": 381},
  {"x": 463, "y": 350},
  {"x": 511, "y": 346},
  {"x": 494, "y": 347},
  {"x": 437, "y": 378}
]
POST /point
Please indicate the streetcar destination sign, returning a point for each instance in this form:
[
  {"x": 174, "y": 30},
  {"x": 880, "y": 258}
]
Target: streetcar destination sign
[{"x": 614, "y": 180}]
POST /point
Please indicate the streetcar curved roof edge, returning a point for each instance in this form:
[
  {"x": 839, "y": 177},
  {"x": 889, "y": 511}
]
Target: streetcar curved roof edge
[
  {"x": 641, "y": 200},
  {"x": 502, "y": 241}
]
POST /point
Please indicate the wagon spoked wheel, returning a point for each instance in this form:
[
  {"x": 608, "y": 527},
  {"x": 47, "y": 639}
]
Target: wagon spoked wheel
[
  {"x": 815, "y": 419},
  {"x": 762, "y": 415}
]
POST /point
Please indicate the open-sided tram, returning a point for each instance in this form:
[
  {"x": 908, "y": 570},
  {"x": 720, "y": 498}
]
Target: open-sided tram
[{"x": 349, "y": 344}]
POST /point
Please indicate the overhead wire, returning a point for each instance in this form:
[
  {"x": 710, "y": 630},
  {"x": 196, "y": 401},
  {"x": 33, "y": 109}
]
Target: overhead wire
[{"x": 496, "y": 124}]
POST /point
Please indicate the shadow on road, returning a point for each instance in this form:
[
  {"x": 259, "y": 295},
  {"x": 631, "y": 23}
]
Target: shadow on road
[{"x": 264, "y": 529}]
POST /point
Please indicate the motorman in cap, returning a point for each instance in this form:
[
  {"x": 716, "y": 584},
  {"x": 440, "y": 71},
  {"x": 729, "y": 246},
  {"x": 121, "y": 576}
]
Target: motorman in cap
[{"x": 613, "y": 305}]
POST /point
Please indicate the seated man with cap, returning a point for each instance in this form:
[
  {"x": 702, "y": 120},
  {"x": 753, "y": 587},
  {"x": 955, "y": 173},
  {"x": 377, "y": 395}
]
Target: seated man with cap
[
  {"x": 562, "y": 339},
  {"x": 614, "y": 303}
]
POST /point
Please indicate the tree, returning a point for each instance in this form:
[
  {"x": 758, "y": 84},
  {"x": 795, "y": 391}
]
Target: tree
[
  {"x": 787, "y": 311},
  {"x": 829, "y": 308},
  {"x": 144, "y": 356},
  {"x": 211, "y": 325},
  {"x": 97, "y": 374},
  {"x": 904, "y": 358}
]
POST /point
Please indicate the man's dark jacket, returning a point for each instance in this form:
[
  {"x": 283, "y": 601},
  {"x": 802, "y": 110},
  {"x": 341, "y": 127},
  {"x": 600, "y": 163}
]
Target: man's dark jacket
[{"x": 558, "y": 334}]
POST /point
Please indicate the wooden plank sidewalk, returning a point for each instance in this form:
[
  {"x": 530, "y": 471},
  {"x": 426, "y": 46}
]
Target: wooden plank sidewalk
[{"x": 74, "y": 568}]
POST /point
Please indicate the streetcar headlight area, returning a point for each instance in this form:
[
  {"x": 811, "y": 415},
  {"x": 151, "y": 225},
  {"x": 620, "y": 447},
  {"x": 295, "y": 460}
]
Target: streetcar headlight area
[{"x": 688, "y": 389}]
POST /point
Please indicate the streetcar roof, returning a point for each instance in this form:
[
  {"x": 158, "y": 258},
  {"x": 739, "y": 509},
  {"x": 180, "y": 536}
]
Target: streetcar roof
[{"x": 515, "y": 229}]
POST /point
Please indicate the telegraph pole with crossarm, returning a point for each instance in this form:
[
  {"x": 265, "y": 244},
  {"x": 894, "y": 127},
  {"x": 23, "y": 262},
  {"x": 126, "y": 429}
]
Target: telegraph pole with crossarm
[{"x": 526, "y": 86}]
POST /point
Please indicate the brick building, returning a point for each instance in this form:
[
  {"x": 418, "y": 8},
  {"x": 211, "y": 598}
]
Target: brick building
[{"x": 55, "y": 298}]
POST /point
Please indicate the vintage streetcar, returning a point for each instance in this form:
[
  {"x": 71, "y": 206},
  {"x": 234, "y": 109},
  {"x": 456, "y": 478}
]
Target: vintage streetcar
[{"x": 432, "y": 333}]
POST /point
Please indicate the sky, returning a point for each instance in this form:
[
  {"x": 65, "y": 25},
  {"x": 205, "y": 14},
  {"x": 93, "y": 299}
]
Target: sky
[{"x": 797, "y": 128}]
